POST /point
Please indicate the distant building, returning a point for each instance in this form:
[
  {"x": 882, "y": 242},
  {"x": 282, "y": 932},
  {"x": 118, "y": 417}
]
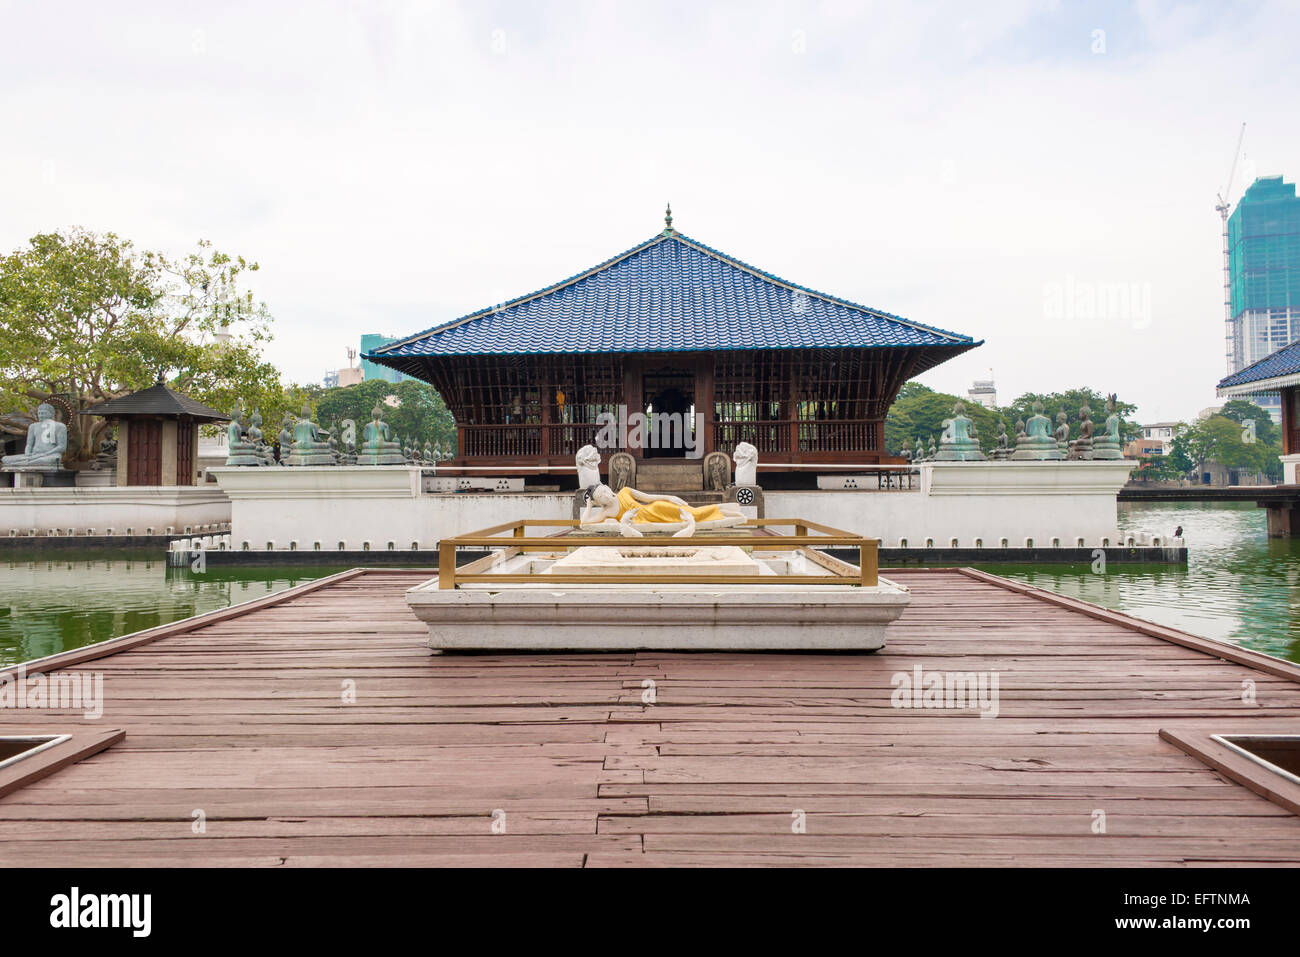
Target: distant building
[
  {"x": 1163, "y": 433},
  {"x": 1264, "y": 271},
  {"x": 373, "y": 370},
  {"x": 1137, "y": 448},
  {"x": 983, "y": 392}
]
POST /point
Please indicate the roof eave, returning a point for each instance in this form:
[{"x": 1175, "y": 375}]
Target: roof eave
[{"x": 1269, "y": 386}]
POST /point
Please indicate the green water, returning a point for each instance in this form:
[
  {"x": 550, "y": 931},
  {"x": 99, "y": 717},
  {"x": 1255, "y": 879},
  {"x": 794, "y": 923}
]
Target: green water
[
  {"x": 54, "y": 604},
  {"x": 1239, "y": 585}
]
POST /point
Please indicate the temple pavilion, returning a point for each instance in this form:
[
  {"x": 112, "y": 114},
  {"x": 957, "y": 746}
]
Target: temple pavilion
[
  {"x": 672, "y": 326},
  {"x": 1277, "y": 374}
]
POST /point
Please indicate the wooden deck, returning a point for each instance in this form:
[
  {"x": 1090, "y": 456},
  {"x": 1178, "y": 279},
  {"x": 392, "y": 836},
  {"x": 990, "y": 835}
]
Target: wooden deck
[{"x": 242, "y": 718}]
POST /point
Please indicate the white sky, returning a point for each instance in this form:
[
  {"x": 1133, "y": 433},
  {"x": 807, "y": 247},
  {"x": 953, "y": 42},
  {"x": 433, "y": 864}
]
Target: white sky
[{"x": 395, "y": 164}]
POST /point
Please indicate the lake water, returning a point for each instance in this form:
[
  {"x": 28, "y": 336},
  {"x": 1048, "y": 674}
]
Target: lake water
[
  {"x": 1238, "y": 586},
  {"x": 56, "y": 604}
]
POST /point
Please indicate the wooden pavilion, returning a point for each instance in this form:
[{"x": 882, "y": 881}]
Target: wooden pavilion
[
  {"x": 157, "y": 435},
  {"x": 672, "y": 326}
]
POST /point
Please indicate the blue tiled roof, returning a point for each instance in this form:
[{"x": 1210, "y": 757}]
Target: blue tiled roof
[
  {"x": 669, "y": 294},
  {"x": 1284, "y": 362}
]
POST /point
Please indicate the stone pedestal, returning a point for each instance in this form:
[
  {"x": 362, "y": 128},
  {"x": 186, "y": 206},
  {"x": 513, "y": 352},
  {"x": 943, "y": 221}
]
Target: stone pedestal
[{"x": 102, "y": 478}]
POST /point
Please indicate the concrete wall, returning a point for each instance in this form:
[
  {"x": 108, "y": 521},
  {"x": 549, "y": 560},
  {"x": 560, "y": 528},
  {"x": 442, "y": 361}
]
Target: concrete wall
[
  {"x": 116, "y": 507},
  {"x": 962, "y": 500},
  {"x": 969, "y": 500}
]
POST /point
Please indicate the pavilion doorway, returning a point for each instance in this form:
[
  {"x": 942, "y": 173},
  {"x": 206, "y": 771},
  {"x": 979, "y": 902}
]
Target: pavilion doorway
[{"x": 669, "y": 395}]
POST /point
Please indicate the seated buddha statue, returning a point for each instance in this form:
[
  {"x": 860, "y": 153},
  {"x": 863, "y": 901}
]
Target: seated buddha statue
[
  {"x": 1062, "y": 432},
  {"x": 1108, "y": 444},
  {"x": 378, "y": 446},
  {"x": 631, "y": 508},
  {"x": 47, "y": 440},
  {"x": 239, "y": 449},
  {"x": 310, "y": 445},
  {"x": 1038, "y": 443},
  {"x": 958, "y": 442},
  {"x": 1082, "y": 446},
  {"x": 254, "y": 438}
]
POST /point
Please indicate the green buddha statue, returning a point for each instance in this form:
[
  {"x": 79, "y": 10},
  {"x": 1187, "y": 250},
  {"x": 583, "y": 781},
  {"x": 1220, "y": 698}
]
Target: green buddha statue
[
  {"x": 1037, "y": 443},
  {"x": 239, "y": 450},
  {"x": 378, "y": 446},
  {"x": 310, "y": 445},
  {"x": 1107, "y": 445},
  {"x": 958, "y": 443}
]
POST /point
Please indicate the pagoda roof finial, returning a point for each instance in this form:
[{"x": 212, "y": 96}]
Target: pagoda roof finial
[{"x": 668, "y": 218}]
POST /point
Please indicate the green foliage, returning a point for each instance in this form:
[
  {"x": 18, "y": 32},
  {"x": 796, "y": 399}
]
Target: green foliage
[
  {"x": 1157, "y": 468},
  {"x": 918, "y": 412},
  {"x": 1071, "y": 401},
  {"x": 87, "y": 317},
  {"x": 420, "y": 415},
  {"x": 1179, "y": 457},
  {"x": 1218, "y": 438},
  {"x": 1266, "y": 430}
]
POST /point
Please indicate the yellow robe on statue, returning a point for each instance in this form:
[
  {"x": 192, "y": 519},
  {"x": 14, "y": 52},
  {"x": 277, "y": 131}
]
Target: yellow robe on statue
[{"x": 662, "y": 513}]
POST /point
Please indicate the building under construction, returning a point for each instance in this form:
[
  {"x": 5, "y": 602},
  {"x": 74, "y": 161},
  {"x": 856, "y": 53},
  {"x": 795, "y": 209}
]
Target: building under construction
[{"x": 1264, "y": 273}]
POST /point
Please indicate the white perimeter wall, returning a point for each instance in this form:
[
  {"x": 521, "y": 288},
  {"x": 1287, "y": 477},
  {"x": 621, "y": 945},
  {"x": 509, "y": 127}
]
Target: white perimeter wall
[
  {"x": 117, "y": 507},
  {"x": 962, "y": 500}
]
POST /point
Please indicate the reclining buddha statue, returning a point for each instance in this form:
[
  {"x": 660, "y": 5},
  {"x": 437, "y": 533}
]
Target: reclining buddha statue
[{"x": 633, "y": 511}]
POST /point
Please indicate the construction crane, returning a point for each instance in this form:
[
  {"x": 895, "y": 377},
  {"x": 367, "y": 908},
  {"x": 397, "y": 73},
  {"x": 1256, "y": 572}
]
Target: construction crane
[{"x": 1224, "y": 206}]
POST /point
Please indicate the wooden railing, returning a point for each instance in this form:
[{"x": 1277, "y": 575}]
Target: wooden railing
[
  {"x": 778, "y": 435},
  {"x": 563, "y": 534},
  {"x": 535, "y": 439}
]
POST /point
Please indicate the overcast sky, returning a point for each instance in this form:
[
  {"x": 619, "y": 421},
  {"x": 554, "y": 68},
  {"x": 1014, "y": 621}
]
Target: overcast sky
[{"x": 987, "y": 168}]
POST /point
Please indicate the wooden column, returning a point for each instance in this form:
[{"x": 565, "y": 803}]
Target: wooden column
[
  {"x": 123, "y": 449},
  {"x": 168, "y": 452},
  {"x": 790, "y": 410},
  {"x": 548, "y": 397},
  {"x": 633, "y": 374},
  {"x": 704, "y": 401},
  {"x": 1289, "y": 443}
]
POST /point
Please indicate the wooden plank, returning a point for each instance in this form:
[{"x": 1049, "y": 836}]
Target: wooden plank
[{"x": 241, "y": 716}]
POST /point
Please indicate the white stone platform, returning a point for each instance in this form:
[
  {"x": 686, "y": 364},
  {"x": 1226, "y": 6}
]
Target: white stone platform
[{"x": 600, "y": 616}]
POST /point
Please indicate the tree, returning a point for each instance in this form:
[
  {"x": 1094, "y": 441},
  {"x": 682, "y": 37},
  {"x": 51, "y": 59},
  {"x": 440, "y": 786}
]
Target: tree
[
  {"x": 1180, "y": 458},
  {"x": 87, "y": 317},
  {"x": 1070, "y": 401},
  {"x": 1265, "y": 429},
  {"x": 1217, "y": 438},
  {"x": 919, "y": 411},
  {"x": 418, "y": 416}
]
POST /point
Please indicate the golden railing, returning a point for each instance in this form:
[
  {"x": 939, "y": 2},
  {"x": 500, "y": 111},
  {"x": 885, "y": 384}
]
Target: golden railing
[{"x": 807, "y": 538}]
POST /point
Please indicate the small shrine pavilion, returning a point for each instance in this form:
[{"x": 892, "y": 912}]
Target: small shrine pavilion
[
  {"x": 157, "y": 435},
  {"x": 672, "y": 326}
]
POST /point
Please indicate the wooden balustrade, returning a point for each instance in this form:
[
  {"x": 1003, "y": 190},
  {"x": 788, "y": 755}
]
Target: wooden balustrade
[{"x": 771, "y": 436}]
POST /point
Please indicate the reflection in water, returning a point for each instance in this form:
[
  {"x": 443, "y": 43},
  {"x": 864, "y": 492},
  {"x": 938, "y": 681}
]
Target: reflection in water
[
  {"x": 77, "y": 599},
  {"x": 1239, "y": 585}
]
